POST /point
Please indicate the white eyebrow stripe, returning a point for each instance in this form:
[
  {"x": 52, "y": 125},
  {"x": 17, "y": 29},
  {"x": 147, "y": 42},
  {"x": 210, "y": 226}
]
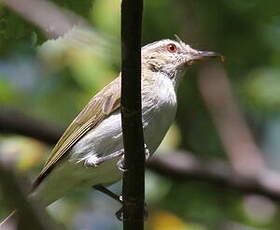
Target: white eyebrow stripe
[{"x": 158, "y": 43}]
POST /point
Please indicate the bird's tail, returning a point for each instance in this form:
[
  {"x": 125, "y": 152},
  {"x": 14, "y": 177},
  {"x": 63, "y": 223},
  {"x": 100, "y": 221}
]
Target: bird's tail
[{"x": 10, "y": 222}]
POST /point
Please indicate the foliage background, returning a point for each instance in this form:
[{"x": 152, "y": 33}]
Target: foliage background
[{"x": 53, "y": 79}]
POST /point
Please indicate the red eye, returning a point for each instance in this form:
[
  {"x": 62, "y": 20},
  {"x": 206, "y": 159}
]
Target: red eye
[{"x": 172, "y": 48}]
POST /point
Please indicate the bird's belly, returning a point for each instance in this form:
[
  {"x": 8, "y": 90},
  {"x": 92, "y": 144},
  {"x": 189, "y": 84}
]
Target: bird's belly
[
  {"x": 156, "y": 126},
  {"x": 107, "y": 137},
  {"x": 68, "y": 176}
]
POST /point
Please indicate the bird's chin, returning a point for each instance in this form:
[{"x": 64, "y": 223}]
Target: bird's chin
[{"x": 193, "y": 61}]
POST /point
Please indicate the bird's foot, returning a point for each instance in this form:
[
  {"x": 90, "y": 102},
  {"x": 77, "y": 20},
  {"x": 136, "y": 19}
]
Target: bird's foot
[
  {"x": 147, "y": 152},
  {"x": 146, "y": 211},
  {"x": 119, "y": 213},
  {"x": 120, "y": 163},
  {"x": 92, "y": 162}
]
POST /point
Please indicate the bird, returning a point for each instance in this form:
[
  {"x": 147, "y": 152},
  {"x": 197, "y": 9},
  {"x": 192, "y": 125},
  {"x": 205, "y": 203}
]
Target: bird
[{"x": 90, "y": 152}]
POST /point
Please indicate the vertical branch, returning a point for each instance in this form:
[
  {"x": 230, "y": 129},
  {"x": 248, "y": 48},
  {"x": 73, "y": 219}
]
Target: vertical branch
[{"x": 133, "y": 180}]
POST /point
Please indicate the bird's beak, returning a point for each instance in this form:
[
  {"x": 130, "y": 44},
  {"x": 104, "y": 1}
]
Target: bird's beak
[{"x": 202, "y": 55}]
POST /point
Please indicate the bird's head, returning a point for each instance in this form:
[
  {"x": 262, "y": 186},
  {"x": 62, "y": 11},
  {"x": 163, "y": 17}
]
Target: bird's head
[{"x": 172, "y": 57}]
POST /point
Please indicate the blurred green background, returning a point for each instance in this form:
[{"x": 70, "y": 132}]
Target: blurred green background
[{"x": 51, "y": 78}]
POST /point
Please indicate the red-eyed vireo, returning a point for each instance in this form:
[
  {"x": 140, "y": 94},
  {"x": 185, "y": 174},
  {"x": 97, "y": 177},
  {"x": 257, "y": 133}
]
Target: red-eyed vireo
[{"x": 90, "y": 152}]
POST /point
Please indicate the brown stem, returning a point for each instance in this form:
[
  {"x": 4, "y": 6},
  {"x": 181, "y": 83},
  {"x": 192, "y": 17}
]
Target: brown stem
[{"x": 133, "y": 138}]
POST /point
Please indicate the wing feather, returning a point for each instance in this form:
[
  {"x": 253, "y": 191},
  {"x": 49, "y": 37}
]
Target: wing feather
[{"x": 99, "y": 107}]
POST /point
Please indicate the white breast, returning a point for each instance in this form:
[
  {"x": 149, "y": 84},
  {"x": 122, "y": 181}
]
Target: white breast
[
  {"x": 158, "y": 106},
  {"x": 159, "y": 114}
]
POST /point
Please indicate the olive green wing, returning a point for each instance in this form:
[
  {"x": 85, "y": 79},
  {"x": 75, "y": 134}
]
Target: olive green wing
[{"x": 99, "y": 107}]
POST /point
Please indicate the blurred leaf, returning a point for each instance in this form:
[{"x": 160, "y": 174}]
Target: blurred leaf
[
  {"x": 25, "y": 152},
  {"x": 6, "y": 94},
  {"x": 106, "y": 16},
  {"x": 15, "y": 32},
  {"x": 79, "y": 7},
  {"x": 171, "y": 140},
  {"x": 85, "y": 53},
  {"x": 162, "y": 220},
  {"x": 156, "y": 187},
  {"x": 262, "y": 89}
]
